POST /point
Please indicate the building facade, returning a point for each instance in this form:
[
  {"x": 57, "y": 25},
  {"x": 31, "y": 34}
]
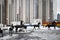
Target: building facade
[
  {"x": 26, "y": 10},
  {"x": 58, "y": 17}
]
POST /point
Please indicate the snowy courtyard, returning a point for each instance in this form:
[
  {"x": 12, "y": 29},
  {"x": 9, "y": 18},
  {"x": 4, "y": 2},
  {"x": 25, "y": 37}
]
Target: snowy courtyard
[{"x": 36, "y": 34}]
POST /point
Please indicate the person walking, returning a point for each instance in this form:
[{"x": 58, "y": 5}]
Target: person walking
[
  {"x": 10, "y": 31},
  {"x": 1, "y": 32}
]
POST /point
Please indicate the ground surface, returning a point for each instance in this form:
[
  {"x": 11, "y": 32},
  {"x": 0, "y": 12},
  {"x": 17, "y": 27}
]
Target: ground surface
[{"x": 38, "y": 34}]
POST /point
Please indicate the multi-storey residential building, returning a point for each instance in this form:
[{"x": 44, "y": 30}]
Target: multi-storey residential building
[{"x": 27, "y": 10}]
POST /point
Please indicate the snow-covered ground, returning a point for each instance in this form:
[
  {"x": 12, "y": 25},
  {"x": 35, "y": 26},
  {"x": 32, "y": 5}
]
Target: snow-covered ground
[{"x": 38, "y": 34}]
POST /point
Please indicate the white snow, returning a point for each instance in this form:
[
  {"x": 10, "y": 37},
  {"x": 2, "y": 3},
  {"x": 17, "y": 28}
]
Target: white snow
[
  {"x": 44, "y": 33},
  {"x": 8, "y": 37}
]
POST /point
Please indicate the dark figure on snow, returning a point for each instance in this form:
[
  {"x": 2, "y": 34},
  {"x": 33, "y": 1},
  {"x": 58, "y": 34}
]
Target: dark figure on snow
[
  {"x": 11, "y": 30},
  {"x": 1, "y": 32},
  {"x": 21, "y": 22},
  {"x": 38, "y": 25},
  {"x": 53, "y": 24}
]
